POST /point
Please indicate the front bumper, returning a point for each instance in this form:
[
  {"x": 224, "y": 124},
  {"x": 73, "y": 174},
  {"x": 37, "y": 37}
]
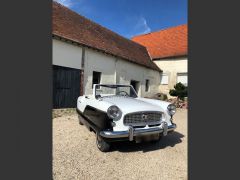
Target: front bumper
[{"x": 132, "y": 132}]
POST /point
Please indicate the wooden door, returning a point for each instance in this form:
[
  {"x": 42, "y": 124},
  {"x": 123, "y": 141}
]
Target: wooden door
[{"x": 66, "y": 87}]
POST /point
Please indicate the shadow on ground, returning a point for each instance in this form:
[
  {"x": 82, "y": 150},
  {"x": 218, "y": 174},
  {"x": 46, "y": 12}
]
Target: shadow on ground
[{"x": 127, "y": 146}]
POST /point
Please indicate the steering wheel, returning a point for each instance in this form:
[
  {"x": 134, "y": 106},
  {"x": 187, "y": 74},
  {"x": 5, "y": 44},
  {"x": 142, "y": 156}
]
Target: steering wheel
[{"x": 123, "y": 93}]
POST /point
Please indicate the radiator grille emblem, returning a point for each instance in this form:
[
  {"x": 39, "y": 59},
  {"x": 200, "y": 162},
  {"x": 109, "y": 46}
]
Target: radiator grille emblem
[{"x": 144, "y": 116}]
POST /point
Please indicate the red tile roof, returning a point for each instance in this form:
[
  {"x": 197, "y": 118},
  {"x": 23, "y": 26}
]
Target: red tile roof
[
  {"x": 165, "y": 43},
  {"x": 72, "y": 26}
]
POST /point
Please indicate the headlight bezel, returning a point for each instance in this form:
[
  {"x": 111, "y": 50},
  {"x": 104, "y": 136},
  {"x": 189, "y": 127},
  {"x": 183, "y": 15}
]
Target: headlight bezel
[
  {"x": 111, "y": 112},
  {"x": 171, "y": 109}
]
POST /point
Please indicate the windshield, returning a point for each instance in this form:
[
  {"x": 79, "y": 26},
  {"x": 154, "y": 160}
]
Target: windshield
[{"x": 114, "y": 90}]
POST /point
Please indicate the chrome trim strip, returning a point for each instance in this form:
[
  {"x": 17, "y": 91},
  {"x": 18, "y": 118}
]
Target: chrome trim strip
[{"x": 136, "y": 132}]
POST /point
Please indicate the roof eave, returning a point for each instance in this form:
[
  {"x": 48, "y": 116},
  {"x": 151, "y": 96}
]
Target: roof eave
[{"x": 169, "y": 57}]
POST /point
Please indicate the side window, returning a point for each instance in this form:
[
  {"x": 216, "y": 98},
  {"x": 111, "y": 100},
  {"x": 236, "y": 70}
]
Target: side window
[
  {"x": 183, "y": 78},
  {"x": 164, "y": 79},
  {"x": 96, "y": 78},
  {"x": 147, "y": 85}
]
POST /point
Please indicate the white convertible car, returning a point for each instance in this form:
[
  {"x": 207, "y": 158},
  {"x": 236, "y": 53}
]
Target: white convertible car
[{"x": 115, "y": 113}]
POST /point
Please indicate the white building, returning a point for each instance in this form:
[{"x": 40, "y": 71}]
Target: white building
[
  {"x": 85, "y": 53},
  {"x": 168, "y": 49}
]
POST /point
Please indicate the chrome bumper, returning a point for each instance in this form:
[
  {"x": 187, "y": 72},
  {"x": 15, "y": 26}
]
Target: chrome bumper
[{"x": 138, "y": 132}]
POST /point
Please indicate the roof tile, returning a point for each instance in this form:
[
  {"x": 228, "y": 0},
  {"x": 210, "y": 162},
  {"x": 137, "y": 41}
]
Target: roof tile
[{"x": 165, "y": 43}]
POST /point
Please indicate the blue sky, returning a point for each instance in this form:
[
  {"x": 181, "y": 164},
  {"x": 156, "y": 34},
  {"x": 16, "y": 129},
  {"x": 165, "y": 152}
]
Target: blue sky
[{"x": 131, "y": 17}]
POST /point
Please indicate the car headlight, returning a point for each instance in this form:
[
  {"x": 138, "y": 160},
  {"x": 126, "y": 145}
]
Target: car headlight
[
  {"x": 114, "y": 112},
  {"x": 171, "y": 109}
]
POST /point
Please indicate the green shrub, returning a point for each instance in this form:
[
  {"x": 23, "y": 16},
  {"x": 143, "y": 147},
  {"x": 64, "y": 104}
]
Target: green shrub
[{"x": 179, "y": 90}]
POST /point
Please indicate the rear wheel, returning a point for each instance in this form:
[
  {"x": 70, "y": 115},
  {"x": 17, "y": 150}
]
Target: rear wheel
[{"x": 102, "y": 144}]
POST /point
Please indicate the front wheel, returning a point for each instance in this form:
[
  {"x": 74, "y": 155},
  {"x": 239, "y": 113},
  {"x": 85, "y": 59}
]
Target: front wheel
[{"x": 102, "y": 144}]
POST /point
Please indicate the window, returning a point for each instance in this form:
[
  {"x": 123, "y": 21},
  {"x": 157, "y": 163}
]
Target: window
[
  {"x": 147, "y": 85},
  {"x": 96, "y": 78},
  {"x": 183, "y": 78},
  {"x": 164, "y": 79}
]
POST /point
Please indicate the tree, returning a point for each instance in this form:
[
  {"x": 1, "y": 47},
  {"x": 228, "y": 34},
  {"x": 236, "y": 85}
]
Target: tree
[{"x": 179, "y": 90}]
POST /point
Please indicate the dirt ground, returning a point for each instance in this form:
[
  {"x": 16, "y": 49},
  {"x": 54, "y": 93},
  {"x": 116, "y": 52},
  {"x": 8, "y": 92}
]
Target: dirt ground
[{"x": 75, "y": 154}]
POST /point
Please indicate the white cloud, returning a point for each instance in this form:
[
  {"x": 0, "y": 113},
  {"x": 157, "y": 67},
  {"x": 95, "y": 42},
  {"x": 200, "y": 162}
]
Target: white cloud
[
  {"x": 142, "y": 26},
  {"x": 67, "y": 3},
  {"x": 138, "y": 25}
]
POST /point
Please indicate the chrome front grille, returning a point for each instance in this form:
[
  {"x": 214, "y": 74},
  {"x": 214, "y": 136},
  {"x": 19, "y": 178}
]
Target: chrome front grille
[{"x": 142, "y": 118}]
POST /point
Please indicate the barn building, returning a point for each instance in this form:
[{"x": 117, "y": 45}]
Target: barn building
[{"x": 85, "y": 53}]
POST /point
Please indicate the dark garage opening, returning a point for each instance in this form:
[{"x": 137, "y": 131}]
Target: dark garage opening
[
  {"x": 66, "y": 87},
  {"x": 135, "y": 84},
  {"x": 96, "y": 78}
]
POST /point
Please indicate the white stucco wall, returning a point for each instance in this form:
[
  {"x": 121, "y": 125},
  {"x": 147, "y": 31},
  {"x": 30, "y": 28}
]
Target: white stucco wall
[
  {"x": 172, "y": 66},
  {"x": 127, "y": 71},
  {"x": 118, "y": 71},
  {"x": 66, "y": 54},
  {"x": 113, "y": 70},
  {"x": 97, "y": 61}
]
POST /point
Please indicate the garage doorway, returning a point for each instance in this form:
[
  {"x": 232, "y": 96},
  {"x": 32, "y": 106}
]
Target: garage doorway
[
  {"x": 135, "y": 84},
  {"x": 66, "y": 87}
]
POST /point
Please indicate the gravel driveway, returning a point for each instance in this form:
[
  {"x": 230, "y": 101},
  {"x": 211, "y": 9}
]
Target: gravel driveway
[{"x": 75, "y": 155}]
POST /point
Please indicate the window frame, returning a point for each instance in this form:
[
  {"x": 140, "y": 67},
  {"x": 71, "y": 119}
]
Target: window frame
[
  {"x": 165, "y": 74},
  {"x": 182, "y": 74}
]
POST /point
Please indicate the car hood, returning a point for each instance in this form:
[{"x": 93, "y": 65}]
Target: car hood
[{"x": 128, "y": 104}]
